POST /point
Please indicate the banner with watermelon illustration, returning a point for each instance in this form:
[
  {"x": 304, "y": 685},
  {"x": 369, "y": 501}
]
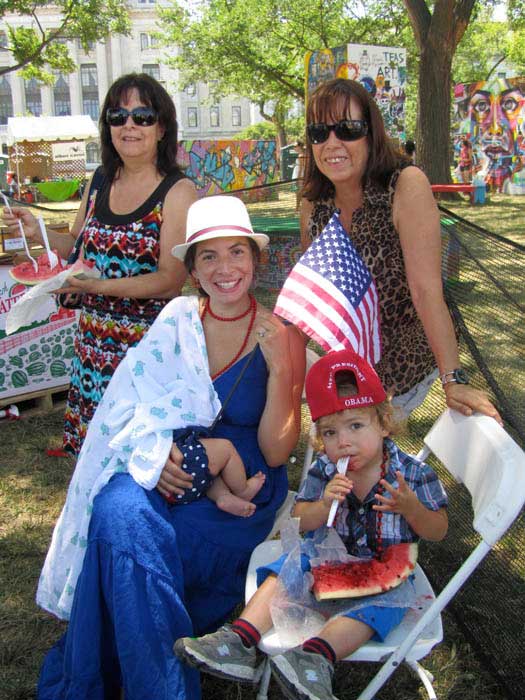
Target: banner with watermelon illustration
[{"x": 37, "y": 357}]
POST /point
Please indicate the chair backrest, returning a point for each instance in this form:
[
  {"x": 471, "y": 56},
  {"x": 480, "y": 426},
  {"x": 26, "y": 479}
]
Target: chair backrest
[{"x": 481, "y": 455}]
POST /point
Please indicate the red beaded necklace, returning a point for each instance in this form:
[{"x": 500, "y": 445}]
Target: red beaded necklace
[
  {"x": 208, "y": 310},
  {"x": 251, "y": 308},
  {"x": 379, "y": 514}
]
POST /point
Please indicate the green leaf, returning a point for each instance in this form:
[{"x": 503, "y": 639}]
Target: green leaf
[{"x": 37, "y": 49}]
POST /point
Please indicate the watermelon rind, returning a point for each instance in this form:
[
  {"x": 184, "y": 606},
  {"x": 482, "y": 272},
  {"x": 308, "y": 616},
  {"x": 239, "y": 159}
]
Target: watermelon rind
[{"x": 338, "y": 580}]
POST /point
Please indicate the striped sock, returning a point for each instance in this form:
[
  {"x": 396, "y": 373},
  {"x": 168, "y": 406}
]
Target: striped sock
[
  {"x": 316, "y": 645},
  {"x": 250, "y": 635}
]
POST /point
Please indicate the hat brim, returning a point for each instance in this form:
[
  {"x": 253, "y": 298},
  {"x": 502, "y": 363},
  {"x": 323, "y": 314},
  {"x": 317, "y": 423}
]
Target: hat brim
[{"x": 261, "y": 239}]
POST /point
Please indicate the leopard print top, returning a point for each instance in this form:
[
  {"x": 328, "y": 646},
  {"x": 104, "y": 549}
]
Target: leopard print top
[{"x": 406, "y": 357}]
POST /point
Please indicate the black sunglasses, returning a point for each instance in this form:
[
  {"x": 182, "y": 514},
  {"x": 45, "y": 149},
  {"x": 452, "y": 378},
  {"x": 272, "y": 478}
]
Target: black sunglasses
[
  {"x": 345, "y": 130},
  {"x": 142, "y": 116}
]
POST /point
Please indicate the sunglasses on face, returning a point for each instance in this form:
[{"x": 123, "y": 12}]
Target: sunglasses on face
[
  {"x": 345, "y": 130},
  {"x": 142, "y": 116}
]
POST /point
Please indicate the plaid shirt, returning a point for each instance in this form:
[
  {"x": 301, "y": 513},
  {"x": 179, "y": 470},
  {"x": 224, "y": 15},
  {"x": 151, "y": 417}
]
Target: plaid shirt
[{"x": 356, "y": 521}]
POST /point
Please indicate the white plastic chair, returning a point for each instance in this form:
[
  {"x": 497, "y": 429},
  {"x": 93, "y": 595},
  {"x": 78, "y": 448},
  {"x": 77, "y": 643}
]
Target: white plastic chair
[{"x": 477, "y": 452}]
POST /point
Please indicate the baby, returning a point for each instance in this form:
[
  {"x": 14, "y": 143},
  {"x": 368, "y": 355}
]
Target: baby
[{"x": 206, "y": 459}]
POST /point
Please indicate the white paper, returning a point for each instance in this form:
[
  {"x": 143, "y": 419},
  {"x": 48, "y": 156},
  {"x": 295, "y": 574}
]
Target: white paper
[
  {"x": 13, "y": 244},
  {"x": 25, "y": 310}
]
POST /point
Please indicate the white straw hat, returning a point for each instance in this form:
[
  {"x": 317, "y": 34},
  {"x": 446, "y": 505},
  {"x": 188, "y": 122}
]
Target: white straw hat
[{"x": 219, "y": 216}]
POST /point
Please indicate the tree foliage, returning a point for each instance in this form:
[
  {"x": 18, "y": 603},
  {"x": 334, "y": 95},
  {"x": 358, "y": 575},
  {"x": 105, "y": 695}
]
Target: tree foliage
[
  {"x": 261, "y": 131},
  {"x": 256, "y": 48},
  {"x": 37, "y": 49},
  {"x": 516, "y": 13},
  {"x": 485, "y": 46}
]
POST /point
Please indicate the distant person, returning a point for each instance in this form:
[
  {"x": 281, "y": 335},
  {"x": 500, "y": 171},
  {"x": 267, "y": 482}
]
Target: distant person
[
  {"x": 129, "y": 221},
  {"x": 14, "y": 186},
  {"x": 465, "y": 161},
  {"x": 410, "y": 150}
]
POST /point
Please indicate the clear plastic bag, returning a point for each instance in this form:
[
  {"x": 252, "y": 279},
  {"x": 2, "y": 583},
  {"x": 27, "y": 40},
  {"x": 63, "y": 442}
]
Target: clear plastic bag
[{"x": 296, "y": 614}]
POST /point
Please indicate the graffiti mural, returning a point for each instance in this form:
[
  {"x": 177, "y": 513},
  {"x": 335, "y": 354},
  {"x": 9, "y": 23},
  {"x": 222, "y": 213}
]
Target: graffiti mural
[
  {"x": 489, "y": 133},
  {"x": 381, "y": 69},
  {"x": 226, "y": 165},
  {"x": 278, "y": 259}
]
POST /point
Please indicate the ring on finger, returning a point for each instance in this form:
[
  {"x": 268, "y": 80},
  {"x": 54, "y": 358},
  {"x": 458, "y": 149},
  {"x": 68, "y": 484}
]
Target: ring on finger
[{"x": 262, "y": 333}]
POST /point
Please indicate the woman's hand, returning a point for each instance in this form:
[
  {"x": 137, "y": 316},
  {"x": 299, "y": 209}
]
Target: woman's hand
[
  {"x": 466, "y": 399},
  {"x": 29, "y": 222},
  {"x": 337, "y": 489},
  {"x": 272, "y": 337},
  {"x": 173, "y": 480},
  {"x": 82, "y": 286}
]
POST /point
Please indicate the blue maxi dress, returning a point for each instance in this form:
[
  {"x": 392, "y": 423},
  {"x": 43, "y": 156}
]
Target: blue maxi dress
[{"x": 153, "y": 572}]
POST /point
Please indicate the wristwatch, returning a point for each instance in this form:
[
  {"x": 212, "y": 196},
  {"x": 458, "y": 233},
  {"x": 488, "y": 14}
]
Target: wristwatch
[{"x": 459, "y": 376}]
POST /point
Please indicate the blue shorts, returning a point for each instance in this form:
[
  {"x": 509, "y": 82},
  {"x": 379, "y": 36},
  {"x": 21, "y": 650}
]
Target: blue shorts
[
  {"x": 380, "y": 618},
  {"x": 195, "y": 463}
]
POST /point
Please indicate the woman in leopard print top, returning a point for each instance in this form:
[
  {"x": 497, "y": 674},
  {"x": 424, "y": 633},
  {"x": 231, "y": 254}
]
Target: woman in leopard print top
[{"x": 388, "y": 209}]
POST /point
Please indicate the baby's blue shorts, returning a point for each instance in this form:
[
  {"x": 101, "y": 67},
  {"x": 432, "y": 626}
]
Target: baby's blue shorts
[{"x": 195, "y": 463}]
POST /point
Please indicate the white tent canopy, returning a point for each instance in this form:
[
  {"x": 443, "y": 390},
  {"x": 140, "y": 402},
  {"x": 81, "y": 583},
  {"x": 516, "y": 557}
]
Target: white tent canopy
[{"x": 80, "y": 127}]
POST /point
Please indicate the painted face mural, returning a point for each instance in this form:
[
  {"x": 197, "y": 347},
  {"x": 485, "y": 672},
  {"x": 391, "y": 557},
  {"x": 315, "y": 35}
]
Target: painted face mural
[{"x": 492, "y": 117}]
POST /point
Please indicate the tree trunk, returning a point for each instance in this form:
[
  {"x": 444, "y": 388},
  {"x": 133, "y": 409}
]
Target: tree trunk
[
  {"x": 280, "y": 143},
  {"x": 437, "y": 35},
  {"x": 433, "y": 122}
]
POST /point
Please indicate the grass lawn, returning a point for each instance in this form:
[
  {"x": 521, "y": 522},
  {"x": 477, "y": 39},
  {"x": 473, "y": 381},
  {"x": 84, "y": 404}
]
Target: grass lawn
[
  {"x": 502, "y": 213},
  {"x": 32, "y": 492}
]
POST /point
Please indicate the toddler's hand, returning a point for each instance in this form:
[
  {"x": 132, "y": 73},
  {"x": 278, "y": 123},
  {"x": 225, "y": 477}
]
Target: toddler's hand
[
  {"x": 337, "y": 489},
  {"x": 402, "y": 500}
]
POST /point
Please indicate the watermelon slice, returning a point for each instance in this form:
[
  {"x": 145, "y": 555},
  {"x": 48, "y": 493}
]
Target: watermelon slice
[
  {"x": 352, "y": 580},
  {"x": 26, "y": 274}
]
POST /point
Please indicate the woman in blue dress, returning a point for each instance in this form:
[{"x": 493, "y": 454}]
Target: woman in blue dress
[{"x": 132, "y": 572}]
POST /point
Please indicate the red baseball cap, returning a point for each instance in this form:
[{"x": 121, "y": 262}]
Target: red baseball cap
[{"x": 321, "y": 389}]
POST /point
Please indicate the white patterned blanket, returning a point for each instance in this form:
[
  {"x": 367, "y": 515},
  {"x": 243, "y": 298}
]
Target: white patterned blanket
[{"x": 161, "y": 384}]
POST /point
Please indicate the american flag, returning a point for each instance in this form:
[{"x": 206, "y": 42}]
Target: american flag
[{"x": 331, "y": 296}]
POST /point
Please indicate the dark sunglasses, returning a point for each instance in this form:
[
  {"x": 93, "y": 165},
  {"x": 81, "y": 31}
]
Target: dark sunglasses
[
  {"x": 142, "y": 116},
  {"x": 345, "y": 130}
]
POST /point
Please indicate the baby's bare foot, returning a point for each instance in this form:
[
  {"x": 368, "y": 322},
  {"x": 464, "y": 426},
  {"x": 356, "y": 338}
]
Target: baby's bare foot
[
  {"x": 235, "y": 505},
  {"x": 253, "y": 486}
]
